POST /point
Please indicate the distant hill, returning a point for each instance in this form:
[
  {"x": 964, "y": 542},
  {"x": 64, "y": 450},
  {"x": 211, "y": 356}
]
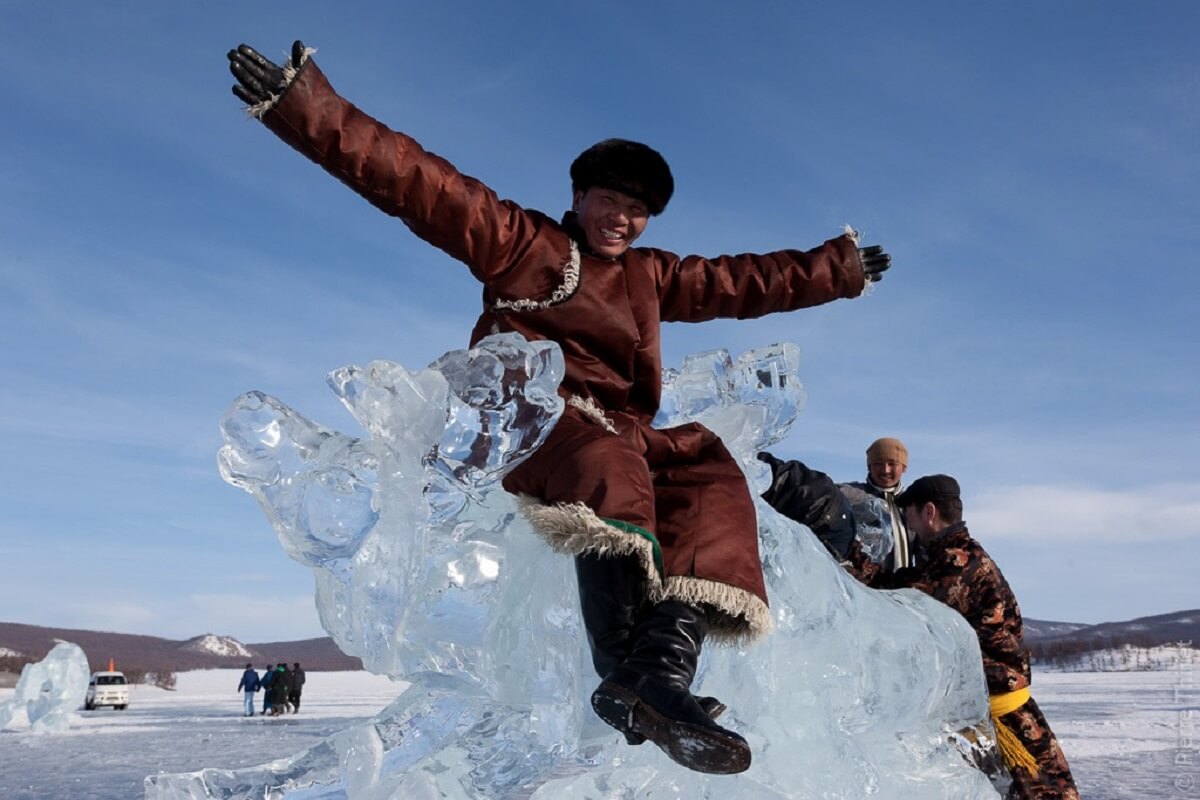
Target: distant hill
[
  {"x": 1048, "y": 641},
  {"x": 154, "y": 654},
  {"x": 1036, "y": 629},
  {"x": 218, "y": 646},
  {"x": 1058, "y": 641}
]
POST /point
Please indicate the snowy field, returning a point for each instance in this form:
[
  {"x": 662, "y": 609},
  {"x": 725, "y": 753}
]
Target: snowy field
[
  {"x": 108, "y": 754},
  {"x": 1128, "y": 735}
]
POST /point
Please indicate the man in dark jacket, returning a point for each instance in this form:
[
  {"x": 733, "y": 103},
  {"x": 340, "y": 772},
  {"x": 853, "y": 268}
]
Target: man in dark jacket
[
  {"x": 278, "y": 693},
  {"x": 660, "y": 521},
  {"x": 887, "y": 459},
  {"x": 834, "y": 512},
  {"x": 957, "y": 571},
  {"x": 297, "y": 687},
  {"x": 264, "y": 683},
  {"x": 283, "y": 686},
  {"x": 811, "y": 498},
  {"x": 249, "y": 685}
]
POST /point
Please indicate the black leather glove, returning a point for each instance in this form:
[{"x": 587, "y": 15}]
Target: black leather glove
[
  {"x": 258, "y": 78},
  {"x": 875, "y": 262}
]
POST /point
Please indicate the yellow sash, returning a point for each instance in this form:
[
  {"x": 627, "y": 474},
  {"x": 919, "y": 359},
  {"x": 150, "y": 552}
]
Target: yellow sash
[{"x": 1011, "y": 748}]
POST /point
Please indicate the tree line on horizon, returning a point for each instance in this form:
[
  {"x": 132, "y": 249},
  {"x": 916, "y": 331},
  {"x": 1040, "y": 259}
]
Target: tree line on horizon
[{"x": 1128, "y": 652}]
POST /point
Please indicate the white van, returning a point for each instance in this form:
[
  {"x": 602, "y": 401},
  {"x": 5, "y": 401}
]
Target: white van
[{"x": 107, "y": 689}]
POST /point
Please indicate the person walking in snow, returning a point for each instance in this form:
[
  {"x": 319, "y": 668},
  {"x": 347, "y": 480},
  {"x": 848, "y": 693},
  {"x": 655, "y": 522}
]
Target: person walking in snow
[
  {"x": 956, "y": 570},
  {"x": 265, "y": 684},
  {"x": 661, "y": 522},
  {"x": 280, "y": 686},
  {"x": 297, "y": 686},
  {"x": 249, "y": 685}
]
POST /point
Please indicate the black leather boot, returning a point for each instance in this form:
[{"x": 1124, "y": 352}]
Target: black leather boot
[
  {"x": 709, "y": 705},
  {"x": 612, "y": 590},
  {"x": 649, "y": 694}
]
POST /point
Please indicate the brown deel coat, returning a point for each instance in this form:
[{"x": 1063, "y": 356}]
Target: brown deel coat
[{"x": 603, "y": 461}]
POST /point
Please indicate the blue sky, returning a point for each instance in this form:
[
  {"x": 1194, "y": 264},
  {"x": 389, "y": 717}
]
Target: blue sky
[{"x": 1032, "y": 167}]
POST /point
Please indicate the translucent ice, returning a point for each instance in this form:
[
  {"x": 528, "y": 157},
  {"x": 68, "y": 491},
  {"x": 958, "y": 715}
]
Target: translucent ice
[
  {"x": 394, "y": 586},
  {"x": 759, "y": 395},
  {"x": 872, "y": 522},
  {"x": 857, "y": 693},
  {"x": 503, "y": 402},
  {"x": 50, "y": 691}
]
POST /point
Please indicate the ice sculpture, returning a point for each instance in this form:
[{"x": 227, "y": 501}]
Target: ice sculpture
[
  {"x": 50, "y": 690},
  {"x": 425, "y": 569},
  {"x": 872, "y": 522}
]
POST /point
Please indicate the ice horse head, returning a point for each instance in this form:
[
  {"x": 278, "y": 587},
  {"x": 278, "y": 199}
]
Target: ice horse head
[{"x": 407, "y": 552}]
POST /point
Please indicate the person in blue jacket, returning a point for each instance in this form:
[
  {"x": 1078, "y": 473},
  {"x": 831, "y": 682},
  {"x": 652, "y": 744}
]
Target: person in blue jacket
[{"x": 249, "y": 685}]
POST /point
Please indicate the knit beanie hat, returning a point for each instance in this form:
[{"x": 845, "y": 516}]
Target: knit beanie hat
[
  {"x": 888, "y": 449},
  {"x": 631, "y": 168}
]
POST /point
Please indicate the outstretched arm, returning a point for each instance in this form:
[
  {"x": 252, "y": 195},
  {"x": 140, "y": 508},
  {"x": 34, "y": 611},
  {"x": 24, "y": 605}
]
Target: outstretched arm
[
  {"x": 453, "y": 212},
  {"x": 811, "y": 498},
  {"x": 695, "y": 289}
]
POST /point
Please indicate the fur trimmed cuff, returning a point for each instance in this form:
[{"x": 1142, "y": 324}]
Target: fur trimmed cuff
[
  {"x": 591, "y": 409},
  {"x": 290, "y": 71},
  {"x": 743, "y": 618},
  {"x": 574, "y": 529}
]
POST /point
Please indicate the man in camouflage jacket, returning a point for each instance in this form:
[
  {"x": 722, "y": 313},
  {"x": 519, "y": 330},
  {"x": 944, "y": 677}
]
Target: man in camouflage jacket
[{"x": 956, "y": 570}]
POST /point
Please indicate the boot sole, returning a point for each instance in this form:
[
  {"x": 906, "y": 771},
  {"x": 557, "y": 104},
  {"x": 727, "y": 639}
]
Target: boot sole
[
  {"x": 714, "y": 712},
  {"x": 697, "y": 748}
]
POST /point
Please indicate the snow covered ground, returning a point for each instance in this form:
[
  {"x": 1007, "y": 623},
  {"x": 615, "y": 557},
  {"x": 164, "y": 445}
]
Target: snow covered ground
[
  {"x": 108, "y": 754},
  {"x": 1128, "y": 735}
]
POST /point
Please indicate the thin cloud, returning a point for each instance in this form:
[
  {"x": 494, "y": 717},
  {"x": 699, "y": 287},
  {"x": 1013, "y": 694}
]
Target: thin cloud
[{"x": 1047, "y": 513}]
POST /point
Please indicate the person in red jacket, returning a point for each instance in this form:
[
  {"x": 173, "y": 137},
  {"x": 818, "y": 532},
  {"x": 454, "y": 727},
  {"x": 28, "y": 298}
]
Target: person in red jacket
[{"x": 661, "y": 522}]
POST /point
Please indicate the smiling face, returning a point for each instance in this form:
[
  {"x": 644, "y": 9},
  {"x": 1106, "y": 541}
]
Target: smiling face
[
  {"x": 610, "y": 220},
  {"x": 886, "y": 473}
]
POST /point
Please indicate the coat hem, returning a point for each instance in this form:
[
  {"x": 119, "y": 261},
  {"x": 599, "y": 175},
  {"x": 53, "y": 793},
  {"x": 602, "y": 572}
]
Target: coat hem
[{"x": 575, "y": 529}]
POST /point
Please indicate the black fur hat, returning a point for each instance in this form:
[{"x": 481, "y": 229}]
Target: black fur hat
[{"x": 631, "y": 168}]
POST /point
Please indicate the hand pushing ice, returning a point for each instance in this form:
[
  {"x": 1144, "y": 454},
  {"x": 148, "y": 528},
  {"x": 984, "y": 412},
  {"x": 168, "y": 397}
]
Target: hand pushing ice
[{"x": 425, "y": 570}]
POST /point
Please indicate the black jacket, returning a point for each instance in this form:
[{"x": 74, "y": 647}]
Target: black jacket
[{"x": 813, "y": 499}]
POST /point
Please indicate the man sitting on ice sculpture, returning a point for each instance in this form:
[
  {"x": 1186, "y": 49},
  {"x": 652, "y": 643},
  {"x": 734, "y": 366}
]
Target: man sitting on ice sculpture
[{"x": 660, "y": 521}]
